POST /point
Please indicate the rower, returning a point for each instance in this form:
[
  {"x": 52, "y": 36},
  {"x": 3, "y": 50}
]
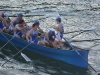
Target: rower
[
  {"x": 49, "y": 38},
  {"x": 3, "y": 25},
  {"x": 60, "y": 31},
  {"x": 20, "y": 30},
  {"x": 40, "y": 30},
  {"x": 5, "y": 15},
  {"x": 32, "y": 35},
  {"x": 36, "y": 21},
  {"x": 28, "y": 29},
  {"x": 15, "y": 21}
]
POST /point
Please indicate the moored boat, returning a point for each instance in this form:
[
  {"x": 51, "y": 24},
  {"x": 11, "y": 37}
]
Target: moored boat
[{"x": 65, "y": 55}]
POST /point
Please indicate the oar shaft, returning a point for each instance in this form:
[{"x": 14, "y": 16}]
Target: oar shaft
[
  {"x": 84, "y": 40},
  {"x": 80, "y": 55},
  {"x": 16, "y": 54},
  {"x": 28, "y": 15},
  {"x": 79, "y": 31},
  {"x": 23, "y": 55},
  {"x": 6, "y": 44},
  {"x": 8, "y": 41},
  {"x": 86, "y": 61}
]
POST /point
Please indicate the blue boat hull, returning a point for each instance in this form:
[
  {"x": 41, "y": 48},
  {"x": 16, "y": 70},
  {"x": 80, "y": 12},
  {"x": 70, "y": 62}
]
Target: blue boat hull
[{"x": 70, "y": 57}]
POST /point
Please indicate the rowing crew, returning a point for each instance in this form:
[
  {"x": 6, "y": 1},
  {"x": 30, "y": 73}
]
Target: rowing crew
[{"x": 21, "y": 30}]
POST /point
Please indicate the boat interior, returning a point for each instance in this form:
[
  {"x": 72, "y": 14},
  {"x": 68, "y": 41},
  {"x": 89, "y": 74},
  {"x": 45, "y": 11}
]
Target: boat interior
[{"x": 66, "y": 43}]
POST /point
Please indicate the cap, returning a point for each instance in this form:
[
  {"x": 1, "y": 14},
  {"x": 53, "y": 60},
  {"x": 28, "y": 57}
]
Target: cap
[
  {"x": 6, "y": 14},
  {"x": 52, "y": 32},
  {"x": 58, "y": 19},
  {"x": 36, "y": 22},
  {"x": 20, "y": 15}
]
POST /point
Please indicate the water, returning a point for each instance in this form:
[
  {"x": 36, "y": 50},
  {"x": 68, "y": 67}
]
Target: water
[{"x": 76, "y": 15}]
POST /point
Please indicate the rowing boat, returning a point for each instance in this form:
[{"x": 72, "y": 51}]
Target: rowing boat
[{"x": 65, "y": 55}]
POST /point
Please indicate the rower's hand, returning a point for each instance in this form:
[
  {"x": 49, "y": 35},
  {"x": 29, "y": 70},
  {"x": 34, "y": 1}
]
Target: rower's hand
[
  {"x": 43, "y": 34},
  {"x": 48, "y": 41},
  {"x": 55, "y": 27},
  {"x": 7, "y": 27},
  {"x": 38, "y": 37},
  {"x": 25, "y": 27},
  {"x": 1, "y": 30},
  {"x": 28, "y": 40},
  {"x": 13, "y": 28}
]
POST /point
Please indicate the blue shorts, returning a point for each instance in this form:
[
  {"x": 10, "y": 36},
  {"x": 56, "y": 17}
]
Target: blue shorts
[
  {"x": 21, "y": 35},
  {"x": 2, "y": 27},
  {"x": 10, "y": 28},
  {"x": 36, "y": 42},
  {"x": 50, "y": 39},
  {"x": 59, "y": 37}
]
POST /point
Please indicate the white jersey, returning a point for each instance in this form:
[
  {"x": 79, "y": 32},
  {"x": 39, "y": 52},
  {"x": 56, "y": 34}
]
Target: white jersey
[{"x": 59, "y": 35}]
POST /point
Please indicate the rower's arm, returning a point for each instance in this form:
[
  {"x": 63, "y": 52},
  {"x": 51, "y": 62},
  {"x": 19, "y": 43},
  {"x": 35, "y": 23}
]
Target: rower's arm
[
  {"x": 28, "y": 35},
  {"x": 40, "y": 29},
  {"x": 47, "y": 36},
  {"x": 59, "y": 28},
  {"x": 12, "y": 22},
  {"x": 19, "y": 28},
  {"x": 25, "y": 22},
  {"x": 9, "y": 19},
  {"x": 4, "y": 22},
  {"x": 54, "y": 36}
]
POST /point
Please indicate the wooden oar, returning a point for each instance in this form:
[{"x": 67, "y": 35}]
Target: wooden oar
[
  {"x": 79, "y": 55},
  {"x": 23, "y": 55},
  {"x": 15, "y": 54}
]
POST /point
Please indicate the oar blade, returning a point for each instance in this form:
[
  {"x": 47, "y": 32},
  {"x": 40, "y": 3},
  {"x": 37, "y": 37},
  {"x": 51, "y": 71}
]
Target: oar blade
[
  {"x": 25, "y": 57},
  {"x": 89, "y": 29},
  {"x": 52, "y": 15},
  {"x": 85, "y": 30}
]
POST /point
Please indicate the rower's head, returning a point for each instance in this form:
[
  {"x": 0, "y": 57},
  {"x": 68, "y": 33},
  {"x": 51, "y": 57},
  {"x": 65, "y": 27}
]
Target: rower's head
[
  {"x": 58, "y": 20},
  {"x": 20, "y": 15},
  {"x": 51, "y": 32},
  {"x": 36, "y": 24},
  {"x": 6, "y": 15},
  {"x": 21, "y": 22}
]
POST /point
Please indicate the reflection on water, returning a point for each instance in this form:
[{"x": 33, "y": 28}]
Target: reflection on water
[{"x": 75, "y": 14}]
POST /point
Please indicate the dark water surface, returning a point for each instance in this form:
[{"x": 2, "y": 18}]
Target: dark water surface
[{"x": 75, "y": 14}]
